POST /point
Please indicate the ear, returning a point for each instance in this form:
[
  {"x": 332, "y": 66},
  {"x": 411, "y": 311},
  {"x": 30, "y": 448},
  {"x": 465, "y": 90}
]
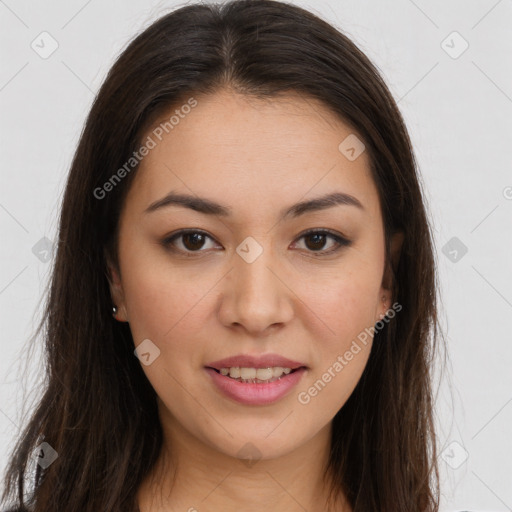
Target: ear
[
  {"x": 116, "y": 289},
  {"x": 386, "y": 289}
]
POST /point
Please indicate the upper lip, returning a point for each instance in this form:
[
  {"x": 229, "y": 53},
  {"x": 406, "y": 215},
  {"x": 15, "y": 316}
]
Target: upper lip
[{"x": 248, "y": 361}]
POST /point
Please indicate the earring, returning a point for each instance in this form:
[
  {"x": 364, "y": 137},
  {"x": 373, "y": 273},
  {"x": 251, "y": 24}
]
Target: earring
[
  {"x": 114, "y": 311},
  {"x": 382, "y": 315}
]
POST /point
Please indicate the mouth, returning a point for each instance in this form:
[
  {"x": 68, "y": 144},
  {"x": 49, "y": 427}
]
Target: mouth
[
  {"x": 255, "y": 380},
  {"x": 255, "y": 375}
]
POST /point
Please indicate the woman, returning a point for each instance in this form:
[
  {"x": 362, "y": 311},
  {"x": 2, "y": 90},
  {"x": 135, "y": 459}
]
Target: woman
[{"x": 242, "y": 310}]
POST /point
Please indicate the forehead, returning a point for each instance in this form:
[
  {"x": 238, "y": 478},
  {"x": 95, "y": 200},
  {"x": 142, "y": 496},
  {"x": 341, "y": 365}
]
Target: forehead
[{"x": 273, "y": 150}]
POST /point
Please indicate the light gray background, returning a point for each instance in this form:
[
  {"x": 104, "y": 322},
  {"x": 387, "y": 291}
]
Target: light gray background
[{"x": 458, "y": 109}]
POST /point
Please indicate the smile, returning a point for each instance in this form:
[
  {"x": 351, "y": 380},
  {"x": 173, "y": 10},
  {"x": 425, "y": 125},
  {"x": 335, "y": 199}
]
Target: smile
[
  {"x": 253, "y": 390},
  {"x": 255, "y": 375}
]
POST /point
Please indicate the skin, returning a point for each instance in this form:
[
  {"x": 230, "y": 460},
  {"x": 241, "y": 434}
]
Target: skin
[{"x": 255, "y": 157}]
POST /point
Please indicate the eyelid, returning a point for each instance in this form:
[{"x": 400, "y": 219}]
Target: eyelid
[{"x": 330, "y": 232}]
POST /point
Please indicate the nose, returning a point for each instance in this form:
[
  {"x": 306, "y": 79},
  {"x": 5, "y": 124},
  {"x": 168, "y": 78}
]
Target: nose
[{"x": 255, "y": 295}]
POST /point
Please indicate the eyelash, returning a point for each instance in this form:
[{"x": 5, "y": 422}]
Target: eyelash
[{"x": 341, "y": 241}]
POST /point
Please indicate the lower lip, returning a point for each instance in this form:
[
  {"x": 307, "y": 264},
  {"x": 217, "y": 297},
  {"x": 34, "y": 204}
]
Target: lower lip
[{"x": 256, "y": 394}]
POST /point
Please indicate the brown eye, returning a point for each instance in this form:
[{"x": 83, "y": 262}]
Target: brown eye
[
  {"x": 315, "y": 241},
  {"x": 193, "y": 241},
  {"x": 187, "y": 242}
]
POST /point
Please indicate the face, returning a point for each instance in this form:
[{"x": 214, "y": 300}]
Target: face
[{"x": 254, "y": 277}]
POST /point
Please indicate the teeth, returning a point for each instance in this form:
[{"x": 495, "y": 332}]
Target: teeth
[
  {"x": 252, "y": 374},
  {"x": 246, "y": 373},
  {"x": 264, "y": 373}
]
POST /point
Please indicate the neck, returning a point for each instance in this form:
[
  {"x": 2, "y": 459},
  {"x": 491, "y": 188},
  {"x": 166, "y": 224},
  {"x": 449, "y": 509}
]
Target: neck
[{"x": 193, "y": 476}]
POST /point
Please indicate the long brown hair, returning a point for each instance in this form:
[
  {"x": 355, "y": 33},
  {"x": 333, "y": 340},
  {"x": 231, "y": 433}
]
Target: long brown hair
[{"x": 98, "y": 410}]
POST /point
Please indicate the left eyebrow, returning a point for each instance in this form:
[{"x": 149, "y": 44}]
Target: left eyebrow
[{"x": 209, "y": 207}]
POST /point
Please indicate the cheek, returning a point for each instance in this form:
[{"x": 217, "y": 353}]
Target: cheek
[
  {"x": 344, "y": 303},
  {"x": 164, "y": 305},
  {"x": 348, "y": 310},
  {"x": 340, "y": 356},
  {"x": 162, "y": 301},
  {"x": 344, "y": 308}
]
